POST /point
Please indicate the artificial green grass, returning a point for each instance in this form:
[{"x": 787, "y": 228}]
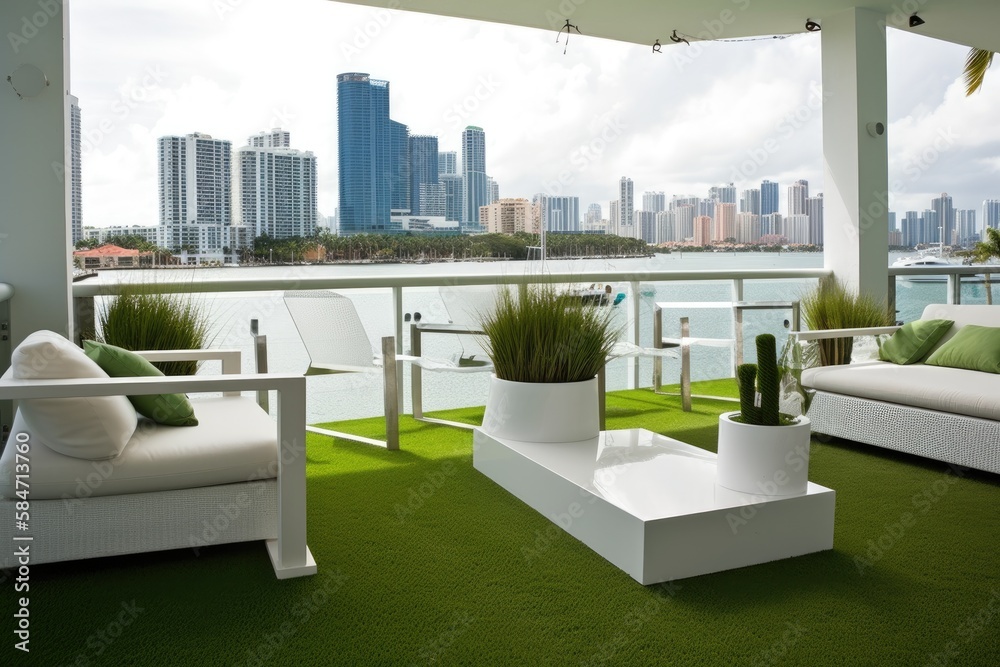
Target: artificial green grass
[{"x": 422, "y": 560}]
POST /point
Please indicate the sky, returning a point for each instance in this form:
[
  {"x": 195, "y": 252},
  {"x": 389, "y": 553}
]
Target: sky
[{"x": 571, "y": 123}]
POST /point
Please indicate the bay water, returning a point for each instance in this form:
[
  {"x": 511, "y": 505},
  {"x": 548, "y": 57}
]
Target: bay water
[{"x": 349, "y": 396}]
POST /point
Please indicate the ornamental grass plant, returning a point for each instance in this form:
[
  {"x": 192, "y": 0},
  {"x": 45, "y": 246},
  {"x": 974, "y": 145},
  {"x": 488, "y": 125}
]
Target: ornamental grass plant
[
  {"x": 832, "y": 305},
  {"x": 546, "y": 336},
  {"x": 139, "y": 319}
]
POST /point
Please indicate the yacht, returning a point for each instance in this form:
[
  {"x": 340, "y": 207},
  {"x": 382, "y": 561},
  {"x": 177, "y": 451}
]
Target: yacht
[{"x": 927, "y": 260}]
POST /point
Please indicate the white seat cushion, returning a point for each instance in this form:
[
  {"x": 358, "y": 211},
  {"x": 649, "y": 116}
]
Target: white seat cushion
[
  {"x": 87, "y": 427},
  {"x": 235, "y": 441},
  {"x": 953, "y": 390}
]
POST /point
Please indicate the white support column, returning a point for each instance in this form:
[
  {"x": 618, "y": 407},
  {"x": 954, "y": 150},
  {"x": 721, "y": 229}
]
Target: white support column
[
  {"x": 856, "y": 221},
  {"x": 34, "y": 171}
]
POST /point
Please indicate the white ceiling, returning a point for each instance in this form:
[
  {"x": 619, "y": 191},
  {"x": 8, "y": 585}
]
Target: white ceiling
[{"x": 967, "y": 22}]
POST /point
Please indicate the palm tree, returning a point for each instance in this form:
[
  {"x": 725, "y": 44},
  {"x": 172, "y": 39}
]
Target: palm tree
[
  {"x": 976, "y": 64},
  {"x": 983, "y": 252}
]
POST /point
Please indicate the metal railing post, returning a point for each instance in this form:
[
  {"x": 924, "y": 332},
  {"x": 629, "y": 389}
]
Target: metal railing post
[
  {"x": 954, "y": 288},
  {"x": 397, "y": 327},
  {"x": 636, "y": 332}
]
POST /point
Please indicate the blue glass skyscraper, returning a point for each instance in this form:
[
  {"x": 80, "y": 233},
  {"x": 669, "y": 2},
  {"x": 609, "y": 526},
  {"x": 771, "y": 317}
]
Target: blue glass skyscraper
[
  {"x": 475, "y": 186},
  {"x": 768, "y": 197},
  {"x": 399, "y": 168},
  {"x": 423, "y": 168},
  {"x": 364, "y": 150}
]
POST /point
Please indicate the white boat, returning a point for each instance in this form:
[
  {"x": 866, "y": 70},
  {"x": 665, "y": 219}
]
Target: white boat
[{"x": 924, "y": 260}]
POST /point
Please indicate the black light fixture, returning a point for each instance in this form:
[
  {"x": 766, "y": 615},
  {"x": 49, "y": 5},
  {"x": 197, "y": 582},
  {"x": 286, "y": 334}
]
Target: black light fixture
[
  {"x": 812, "y": 26},
  {"x": 916, "y": 21}
]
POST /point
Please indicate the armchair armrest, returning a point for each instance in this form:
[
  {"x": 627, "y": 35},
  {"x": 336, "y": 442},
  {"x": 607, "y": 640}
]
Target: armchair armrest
[
  {"x": 120, "y": 386},
  {"x": 446, "y": 327},
  {"x": 230, "y": 358},
  {"x": 841, "y": 333}
]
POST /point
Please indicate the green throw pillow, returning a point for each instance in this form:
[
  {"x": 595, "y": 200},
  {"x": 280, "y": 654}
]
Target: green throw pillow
[
  {"x": 913, "y": 340},
  {"x": 973, "y": 347},
  {"x": 166, "y": 409}
]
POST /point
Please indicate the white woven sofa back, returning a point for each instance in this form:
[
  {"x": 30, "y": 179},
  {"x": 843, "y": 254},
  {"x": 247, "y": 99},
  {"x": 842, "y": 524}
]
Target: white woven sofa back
[{"x": 984, "y": 316}]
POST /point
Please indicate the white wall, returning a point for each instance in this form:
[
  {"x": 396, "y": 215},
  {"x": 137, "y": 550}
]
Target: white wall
[
  {"x": 34, "y": 169},
  {"x": 856, "y": 221}
]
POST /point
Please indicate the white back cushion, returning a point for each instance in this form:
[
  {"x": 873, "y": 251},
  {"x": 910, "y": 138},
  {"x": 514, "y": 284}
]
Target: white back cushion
[
  {"x": 84, "y": 427},
  {"x": 984, "y": 316}
]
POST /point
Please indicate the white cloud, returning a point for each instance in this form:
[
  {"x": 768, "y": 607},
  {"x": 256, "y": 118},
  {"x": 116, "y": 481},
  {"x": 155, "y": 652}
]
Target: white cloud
[{"x": 676, "y": 121}]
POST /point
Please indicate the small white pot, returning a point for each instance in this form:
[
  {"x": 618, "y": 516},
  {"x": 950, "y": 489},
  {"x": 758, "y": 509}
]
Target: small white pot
[
  {"x": 763, "y": 460},
  {"x": 542, "y": 412}
]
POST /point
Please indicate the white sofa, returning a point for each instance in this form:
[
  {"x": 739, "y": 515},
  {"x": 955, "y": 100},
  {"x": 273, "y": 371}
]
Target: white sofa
[
  {"x": 948, "y": 414},
  {"x": 236, "y": 476}
]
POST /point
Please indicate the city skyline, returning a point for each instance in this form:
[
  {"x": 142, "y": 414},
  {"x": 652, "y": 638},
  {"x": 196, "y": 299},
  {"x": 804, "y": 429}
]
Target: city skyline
[{"x": 574, "y": 122}]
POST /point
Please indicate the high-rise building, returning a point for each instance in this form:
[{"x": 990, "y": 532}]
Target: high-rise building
[
  {"x": 931, "y": 226},
  {"x": 506, "y": 216},
  {"x": 594, "y": 215},
  {"x": 614, "y": 219},
  {"x": 965, "y": 227},
  {"x": 424, "y": 169},
  {"x": 911, "y": 228},
  {"x": 946, "y": 215},
  {"x": 364, "y": 154},
  {"x": 684, "y": 221},
  {"x": 723, "y": 194},
  {"x": 796, "y": 228},
  {"x": 453, "y": 196},
  {"x": 654, "y": 202},
  {"x": 750, "y": 202},
  {"x": 666, "y": 226},
  {"x": 645, "y": 226},
  {"x": 274, "y": 187},
  {"x": 724, "y": 227},
  {"x": 558, "y": 214},
  {"x": 702, "y": 230},
  {"x": 798, "y": 192},
  {"x": 494, "y": 189},
  {"x": 770, "y": 225},
  {"x": 399, "y": 168},
  {"x": 276, "y": 138},
  {"x": 768, "y": 197},
  {"x": 814, "y": 209},
  {"x": 447, "y": 163},
  {"x": 434, "y": 199},
  {"x": 195, "y": 180},
  {"x": 626, "y": 208},
  {"x": 747, "y": 227},
  {"x": 75, "y": 173},
  {"x": 991, "y": 214},
  {"x": 475, "y": 184}
]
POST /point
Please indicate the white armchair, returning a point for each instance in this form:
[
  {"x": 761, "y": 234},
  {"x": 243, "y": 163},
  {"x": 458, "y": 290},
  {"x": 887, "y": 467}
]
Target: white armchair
[{"x": 118, "y": 507}]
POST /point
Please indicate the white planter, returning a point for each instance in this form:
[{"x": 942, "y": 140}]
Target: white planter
[
  {"x": 763, "y": 460},
  {"x": 542, "y": 412}
]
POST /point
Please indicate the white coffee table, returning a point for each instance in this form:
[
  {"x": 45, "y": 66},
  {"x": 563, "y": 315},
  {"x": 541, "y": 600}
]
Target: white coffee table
[{"x": 650, "y": 505}]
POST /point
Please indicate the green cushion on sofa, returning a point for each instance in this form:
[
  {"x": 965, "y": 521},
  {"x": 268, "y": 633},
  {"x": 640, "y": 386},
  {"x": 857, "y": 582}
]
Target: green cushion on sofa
[
  {"x": 913, "y": 340},
  {"x": 973, "y": 347},
  {"x": 166, "y": 409}
]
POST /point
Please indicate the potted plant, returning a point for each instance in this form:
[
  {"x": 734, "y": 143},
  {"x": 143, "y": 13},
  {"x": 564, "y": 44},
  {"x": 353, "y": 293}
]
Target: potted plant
[
  {"x": 761, "y": 450},
  {"x": 140, "y": 319},
  {"x": 832, "y": 305},
  {"x": 547, "y": 349}
]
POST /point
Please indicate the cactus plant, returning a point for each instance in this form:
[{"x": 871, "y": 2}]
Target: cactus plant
[{"x": 764, "y": 378}]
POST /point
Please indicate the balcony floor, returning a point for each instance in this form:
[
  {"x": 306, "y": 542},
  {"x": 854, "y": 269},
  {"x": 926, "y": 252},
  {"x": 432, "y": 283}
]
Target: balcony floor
[{"x": 422, "y": 560}]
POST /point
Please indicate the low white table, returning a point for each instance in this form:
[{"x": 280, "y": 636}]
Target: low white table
[{"x": 650, "y": 505}]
